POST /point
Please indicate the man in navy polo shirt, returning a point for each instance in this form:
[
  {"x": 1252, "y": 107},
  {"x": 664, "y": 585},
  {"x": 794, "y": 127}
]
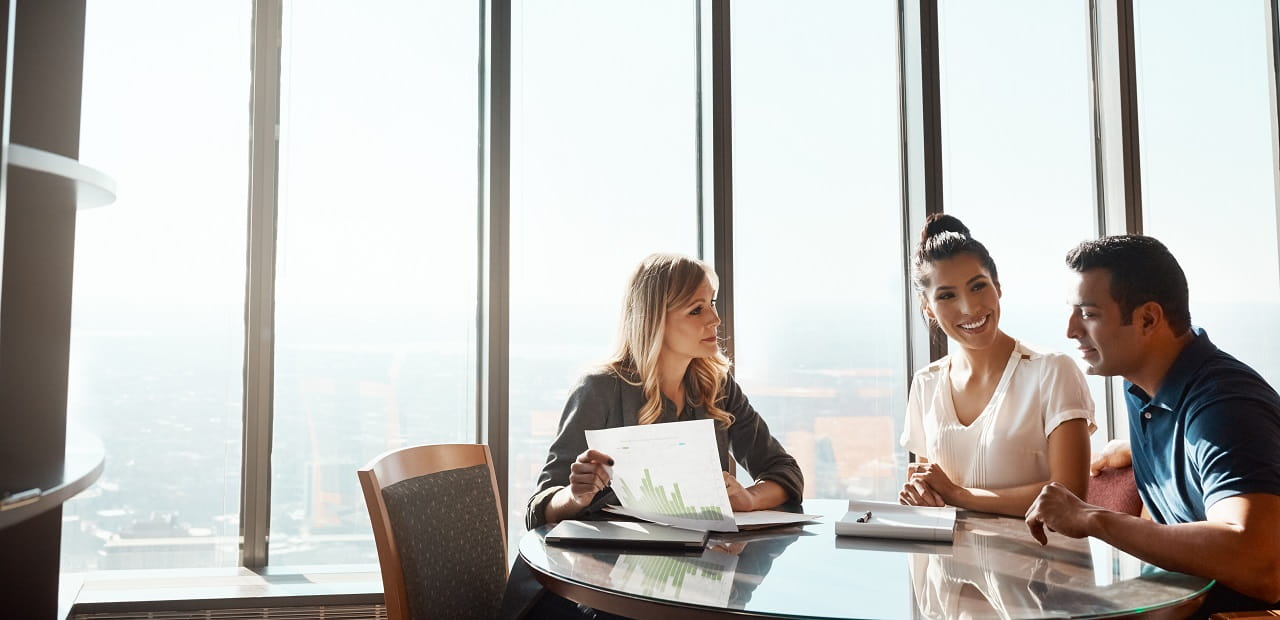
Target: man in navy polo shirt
[{"x": 1204, "y": 430}]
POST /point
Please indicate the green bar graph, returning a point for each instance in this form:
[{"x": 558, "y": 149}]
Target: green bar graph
[{"x": 654, "y": 499}]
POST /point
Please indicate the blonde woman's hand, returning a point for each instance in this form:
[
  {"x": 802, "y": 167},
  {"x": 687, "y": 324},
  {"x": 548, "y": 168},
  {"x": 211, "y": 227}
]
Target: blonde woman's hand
[
  {"x": 740, "y": 499},
  {"x": 1116, "y": 454},
  {"x": 731, "y": 548},
  {"x": 926, "y": 485},
  {"x": 591, "y": 472}
]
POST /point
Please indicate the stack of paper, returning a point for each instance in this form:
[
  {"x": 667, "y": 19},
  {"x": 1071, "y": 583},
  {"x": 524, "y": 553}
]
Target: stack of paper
[{"x": 890, "y": 520}]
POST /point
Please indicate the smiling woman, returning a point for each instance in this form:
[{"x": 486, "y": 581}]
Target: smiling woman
[{"x": 998, "y": 419}]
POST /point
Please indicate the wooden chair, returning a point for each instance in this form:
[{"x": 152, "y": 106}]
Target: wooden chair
[
  {"x": 438, "y": 526},
  {"x": 1115, "y": 489}
]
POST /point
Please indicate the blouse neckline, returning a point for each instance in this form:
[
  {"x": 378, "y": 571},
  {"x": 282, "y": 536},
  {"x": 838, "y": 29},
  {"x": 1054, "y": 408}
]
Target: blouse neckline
[{"x": 997, "y": 395}]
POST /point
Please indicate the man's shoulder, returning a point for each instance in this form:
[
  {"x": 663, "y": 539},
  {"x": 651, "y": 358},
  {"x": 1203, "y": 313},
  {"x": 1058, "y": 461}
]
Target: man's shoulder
[
  {"x": 1223, "y": 379},
  {"x": 1226, "y": 400}
]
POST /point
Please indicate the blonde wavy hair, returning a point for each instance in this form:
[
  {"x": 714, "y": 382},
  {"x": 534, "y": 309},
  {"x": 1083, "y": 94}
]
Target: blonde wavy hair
[{"x": 663, "y": 283}]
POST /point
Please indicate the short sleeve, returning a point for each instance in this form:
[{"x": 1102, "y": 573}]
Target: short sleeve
[
  {"x": 913, "y": 438},
  {"x": 1233, "y": 447},
  {"x": 756, "y": 448},
  {"x": 1065, "y": 392},
  {"x": 587, "y": 409}
]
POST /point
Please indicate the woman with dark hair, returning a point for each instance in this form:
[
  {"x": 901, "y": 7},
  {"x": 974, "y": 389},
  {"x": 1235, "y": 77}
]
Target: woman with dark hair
[{"x": 997, "y": 419}]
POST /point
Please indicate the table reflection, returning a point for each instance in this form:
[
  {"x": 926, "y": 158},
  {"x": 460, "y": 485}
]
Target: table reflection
[
  {"x": 993, "y": 569},
  {"x": 724, "y": 574}
]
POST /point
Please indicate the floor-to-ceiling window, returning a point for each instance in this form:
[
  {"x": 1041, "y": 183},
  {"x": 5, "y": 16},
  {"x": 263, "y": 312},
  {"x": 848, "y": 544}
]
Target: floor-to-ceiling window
[
  {"x": 1208, "y": 170},
  {"x": 603, "y": 172},
  {"x": 375, "y": 290},
  {"x": 820, "y": 333},
  {"x": 157, "y": 330},
  {"x": 1018, "y": 155}
]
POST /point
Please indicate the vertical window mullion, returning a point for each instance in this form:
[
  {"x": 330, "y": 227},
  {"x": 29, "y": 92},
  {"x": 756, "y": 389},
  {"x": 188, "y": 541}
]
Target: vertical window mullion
[
  {"x": 255, "y": 513},
  {"x": 495, "y": 249},
  {"x": 1273, "y": 58},
  {"x": 1119, "y": 190},
  {"x": 921, "y": 119},
  {"x": 722, "y": 169}
]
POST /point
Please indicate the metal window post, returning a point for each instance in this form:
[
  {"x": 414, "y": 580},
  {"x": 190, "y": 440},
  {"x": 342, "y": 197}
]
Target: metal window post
[
  {"x": 259, "y": 335},
  {"x": 920, "y": 116},
  {"x": 1273, "y": 74},
  {"x": 722, "y": 167},
  {"x": 1117, "y": 173},
  {"x": 493, "y": 420}
]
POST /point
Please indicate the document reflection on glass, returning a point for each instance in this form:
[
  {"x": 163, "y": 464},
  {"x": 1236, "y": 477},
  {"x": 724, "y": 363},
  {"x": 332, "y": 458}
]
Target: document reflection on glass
[
  {"x": 704, "y": 580},
  {"x": 668, "y": 473},
  {"x": 989, "y": 576},
  {"x": 965, "y": 586}
]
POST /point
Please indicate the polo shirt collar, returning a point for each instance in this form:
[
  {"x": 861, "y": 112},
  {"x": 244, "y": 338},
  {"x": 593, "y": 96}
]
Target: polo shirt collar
[{"x": 1173, "y": 387}]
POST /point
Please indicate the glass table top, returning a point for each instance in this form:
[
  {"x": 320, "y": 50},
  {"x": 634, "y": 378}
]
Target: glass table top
[{"x": 993, "y": 569}]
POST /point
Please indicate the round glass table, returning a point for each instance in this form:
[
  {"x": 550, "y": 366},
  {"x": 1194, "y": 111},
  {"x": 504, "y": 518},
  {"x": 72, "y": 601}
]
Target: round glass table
[{"x": 992, "y": 569}]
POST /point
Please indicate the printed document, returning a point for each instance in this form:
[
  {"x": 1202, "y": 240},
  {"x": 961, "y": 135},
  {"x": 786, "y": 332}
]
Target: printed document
[{"x": 670, "y": 474}]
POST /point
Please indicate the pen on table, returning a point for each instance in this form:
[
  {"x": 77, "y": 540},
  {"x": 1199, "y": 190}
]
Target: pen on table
[{"x": 866, "y": 516}]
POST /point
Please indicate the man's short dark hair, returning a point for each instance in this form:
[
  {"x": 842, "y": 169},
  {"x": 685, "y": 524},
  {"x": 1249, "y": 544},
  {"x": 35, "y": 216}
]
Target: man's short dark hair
[{"x": 1142, "y": 270}]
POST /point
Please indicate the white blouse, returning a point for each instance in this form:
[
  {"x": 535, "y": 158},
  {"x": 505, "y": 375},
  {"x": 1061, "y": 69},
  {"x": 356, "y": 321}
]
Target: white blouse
[{"x": 1007, "y": 445}]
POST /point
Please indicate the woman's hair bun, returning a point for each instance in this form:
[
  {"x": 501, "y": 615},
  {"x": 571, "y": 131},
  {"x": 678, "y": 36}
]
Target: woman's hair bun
[
  {"x": 944, "y": 237},
  {"x": 939, "y": 223}
]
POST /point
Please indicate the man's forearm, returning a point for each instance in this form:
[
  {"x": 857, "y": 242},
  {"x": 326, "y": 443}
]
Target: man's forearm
[{"x": 1211, "y": 549}]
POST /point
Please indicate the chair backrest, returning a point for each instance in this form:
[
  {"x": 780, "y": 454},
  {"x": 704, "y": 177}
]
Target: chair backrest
[
  {"x": 1115, "y": 489},
  {"x": 437, "y": 522}
]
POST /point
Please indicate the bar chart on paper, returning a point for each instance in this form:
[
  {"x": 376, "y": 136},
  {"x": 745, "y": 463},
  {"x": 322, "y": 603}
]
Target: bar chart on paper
[
  {"x": 668, "y": 473},
  {"x": 654, "y": 498}
]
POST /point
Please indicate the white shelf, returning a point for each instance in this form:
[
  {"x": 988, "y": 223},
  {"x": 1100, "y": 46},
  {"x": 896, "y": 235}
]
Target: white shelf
[{"x": 92, "y": 187}]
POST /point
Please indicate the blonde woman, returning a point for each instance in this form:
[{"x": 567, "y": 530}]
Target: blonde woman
[{"x": 667, "y": 367}]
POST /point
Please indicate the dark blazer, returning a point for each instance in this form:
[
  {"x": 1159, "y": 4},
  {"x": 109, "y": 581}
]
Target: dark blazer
[{"x": 604, "y": 400}]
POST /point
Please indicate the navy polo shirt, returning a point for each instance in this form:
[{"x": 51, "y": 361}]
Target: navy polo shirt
[{"x": 1212, "y": 431}]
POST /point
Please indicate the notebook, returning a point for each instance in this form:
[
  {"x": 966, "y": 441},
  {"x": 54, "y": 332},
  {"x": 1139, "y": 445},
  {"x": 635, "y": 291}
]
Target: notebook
[
  {"x": 626, "y": 534},
  {"x": 891, "y": 520}
]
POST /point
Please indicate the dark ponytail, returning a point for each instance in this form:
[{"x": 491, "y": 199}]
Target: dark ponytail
[{"x": 945, "y": 237}]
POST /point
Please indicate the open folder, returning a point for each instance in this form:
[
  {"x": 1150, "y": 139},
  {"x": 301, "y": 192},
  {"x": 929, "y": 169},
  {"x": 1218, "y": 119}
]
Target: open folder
[
  {"x": 742, "y": 521},
  {"x": 891, "y": 520}
]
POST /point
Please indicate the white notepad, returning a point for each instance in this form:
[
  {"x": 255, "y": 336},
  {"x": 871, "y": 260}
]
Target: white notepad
[{"x": 892, "y": 520}]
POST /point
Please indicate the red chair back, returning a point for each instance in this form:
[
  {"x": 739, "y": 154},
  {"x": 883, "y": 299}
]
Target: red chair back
[{"x": 1115, "y": 489}]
